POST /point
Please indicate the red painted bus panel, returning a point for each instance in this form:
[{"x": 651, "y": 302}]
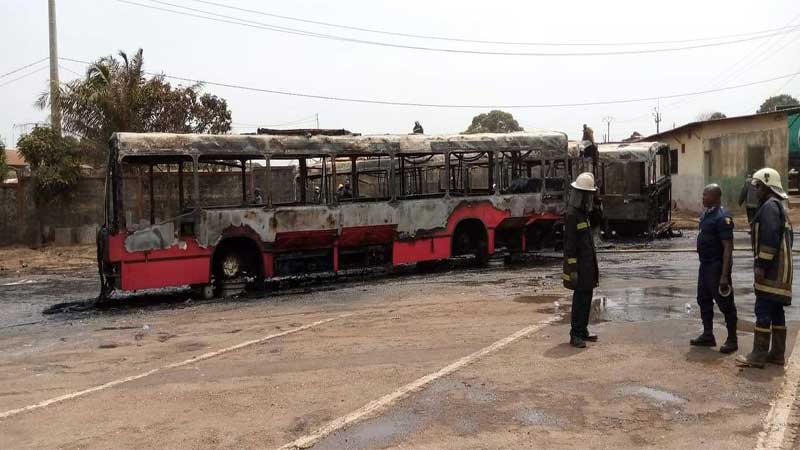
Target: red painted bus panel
[
  {"x": 298, "y": 240},
  {"x": 422, "y": 249},
  {"x": 369, "y": 235},
  {"x": 152, "y": 273}
]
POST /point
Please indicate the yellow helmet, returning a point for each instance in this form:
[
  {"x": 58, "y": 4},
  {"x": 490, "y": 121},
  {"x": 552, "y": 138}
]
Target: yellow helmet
[
  {"x": 771, "y": 178},
  {"x": 584, "y": 182}
]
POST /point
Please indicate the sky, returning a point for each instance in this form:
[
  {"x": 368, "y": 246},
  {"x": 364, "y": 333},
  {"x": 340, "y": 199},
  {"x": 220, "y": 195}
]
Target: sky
[{"x": 251, "y": 56}]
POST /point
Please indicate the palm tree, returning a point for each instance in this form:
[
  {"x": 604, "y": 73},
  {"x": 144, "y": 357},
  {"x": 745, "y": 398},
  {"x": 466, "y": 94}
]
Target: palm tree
[{"x": 115, "y": 95}]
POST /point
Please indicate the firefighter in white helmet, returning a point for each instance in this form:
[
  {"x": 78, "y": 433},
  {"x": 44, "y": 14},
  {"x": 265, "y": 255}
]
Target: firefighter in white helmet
[
  {"x": 771, "y": 235},
  {"x": 580, "y": 261}
]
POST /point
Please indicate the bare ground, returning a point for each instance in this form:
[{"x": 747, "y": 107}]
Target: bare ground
[{"x": 640, "y": 386}]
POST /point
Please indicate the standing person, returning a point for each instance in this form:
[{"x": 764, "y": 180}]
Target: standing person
[
  {"x": 418, "y": 128},
  {"x": 580, "y": 261},
  {"x": 715, "y": 250},
  {"x": 748, "y": 197},
  {"x": 772, "y": 268}
]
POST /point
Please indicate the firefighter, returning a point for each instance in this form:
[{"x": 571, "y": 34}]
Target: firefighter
[
  {"x": 715, "y": 250},
  {"x": 748, "y": 197},
  {"x": 580, "y": 261},
  {"x": 771, "y": 237}
]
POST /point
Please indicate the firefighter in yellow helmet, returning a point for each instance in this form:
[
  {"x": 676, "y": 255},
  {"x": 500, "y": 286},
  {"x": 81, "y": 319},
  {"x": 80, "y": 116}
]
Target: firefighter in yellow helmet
[
  {"x": 772, "y": 267},
  {"x": 580, "y": 261}
]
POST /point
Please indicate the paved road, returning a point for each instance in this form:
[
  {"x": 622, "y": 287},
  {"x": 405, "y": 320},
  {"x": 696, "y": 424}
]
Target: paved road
[{"x": 452, "y": 360}]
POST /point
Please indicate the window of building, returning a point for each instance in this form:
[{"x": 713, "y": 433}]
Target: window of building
[{"x": 673, "y": 160}]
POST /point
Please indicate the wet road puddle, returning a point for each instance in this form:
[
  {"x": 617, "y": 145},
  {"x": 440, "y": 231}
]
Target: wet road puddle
[
  {"x": 538, "y": 299},
  {"x": 660, "y": 397}
]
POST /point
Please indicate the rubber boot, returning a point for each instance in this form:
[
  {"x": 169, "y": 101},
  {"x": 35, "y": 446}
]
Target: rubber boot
[
  {"x": 704, "y": 340},
  {"x": 758, "y": 357},
  {"x": 776, "y": 353},
  {"x": 577, "y": 342},
  {"x": 732, "y": 342}
]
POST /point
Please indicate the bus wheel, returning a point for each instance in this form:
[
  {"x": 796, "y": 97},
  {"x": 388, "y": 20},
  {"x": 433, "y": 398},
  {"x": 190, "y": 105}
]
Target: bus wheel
[
  {"x": 231, "y": 266},
  {"x": 470, "y": 238},
  {"x": 207, "y": 292}
]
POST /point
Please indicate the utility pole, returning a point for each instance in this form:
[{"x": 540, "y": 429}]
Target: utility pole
[
  {"x": 55, "y": 100},
  {"x": 317, "y": 119},
  {"x": 657, "y": 117},
  {"x": 608, "y": 120}
]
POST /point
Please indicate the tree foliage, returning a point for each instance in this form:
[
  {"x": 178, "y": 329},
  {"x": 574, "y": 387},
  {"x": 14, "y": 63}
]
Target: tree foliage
[
  {"x": 54, "y": 162},
  {"x": 711, "y": 115},
  {"x": 495, "y": 121},
  {"x": 775, "y": 101},
  {"x": 116, "y": 95},
  {"x": 3, "y": 163}
]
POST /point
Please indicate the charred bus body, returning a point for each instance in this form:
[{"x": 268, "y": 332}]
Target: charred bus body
[
  {"x": 635, "y": 188},
  {"x": 419, "y": 198}
]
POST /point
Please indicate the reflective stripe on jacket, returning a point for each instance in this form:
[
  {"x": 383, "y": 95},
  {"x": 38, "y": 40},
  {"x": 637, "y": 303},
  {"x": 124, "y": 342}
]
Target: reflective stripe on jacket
[{"x": 772, "y": 250}]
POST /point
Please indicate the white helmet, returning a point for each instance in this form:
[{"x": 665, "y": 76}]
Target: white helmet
[
  {"x": 584, "y": 182},
  {"x": 771, "y": 178}
]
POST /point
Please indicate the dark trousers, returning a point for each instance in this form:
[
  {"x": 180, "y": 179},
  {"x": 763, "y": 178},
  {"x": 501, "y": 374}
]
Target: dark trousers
[
  {"x": 708, "y": 293},
  {"x": 769, "y": 312},
  {"x": 581, "y": 306}
]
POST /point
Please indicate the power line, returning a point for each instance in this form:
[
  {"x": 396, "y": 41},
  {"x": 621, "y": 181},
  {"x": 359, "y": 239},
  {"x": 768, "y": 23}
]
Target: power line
[
  {"x": 24, "y": 76},
  {"x": 24, "y": 67},
  {"x": 259, "y": 25},
  {"x": 479, "y": 41},
  {"x": 69, "y": 70},
  {"x": 463, "y": 106}
]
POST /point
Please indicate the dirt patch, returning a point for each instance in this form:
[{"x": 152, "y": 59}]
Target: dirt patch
[{"x": 23, "y": 260}]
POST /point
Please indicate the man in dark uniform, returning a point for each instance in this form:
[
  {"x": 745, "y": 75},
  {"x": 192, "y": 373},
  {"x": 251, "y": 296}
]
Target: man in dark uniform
[
  {"x": 748, "y": 197},
  {"x": 418, "y": 128},
  {"x": 772, "y": 239},
  {"x": 580, "y": 261},
  {"x": 715, "y": 249}
]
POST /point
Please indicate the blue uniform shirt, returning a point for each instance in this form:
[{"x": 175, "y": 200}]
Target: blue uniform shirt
[{"x": 716, "y": 225}]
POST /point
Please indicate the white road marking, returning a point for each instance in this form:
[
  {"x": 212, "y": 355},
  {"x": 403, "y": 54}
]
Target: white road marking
[
  {"x": 777, "y": 419},
  {"x": 192, "y": 360},
  {"x": 388, "y": 399}
]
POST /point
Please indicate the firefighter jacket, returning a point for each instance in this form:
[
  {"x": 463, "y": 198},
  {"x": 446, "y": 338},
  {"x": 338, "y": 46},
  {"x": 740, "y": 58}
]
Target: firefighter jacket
[
  {"x": 772, "y": 248},
  {"x": 579, "y": 254}
]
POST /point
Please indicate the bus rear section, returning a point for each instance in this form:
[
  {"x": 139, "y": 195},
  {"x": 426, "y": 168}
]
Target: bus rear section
[{"x": 221, "y": 213}]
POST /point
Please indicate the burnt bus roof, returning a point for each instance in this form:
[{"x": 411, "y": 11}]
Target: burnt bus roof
[
  {"x": 630, "y": 151},
  {"x": 552, "y": 144}
]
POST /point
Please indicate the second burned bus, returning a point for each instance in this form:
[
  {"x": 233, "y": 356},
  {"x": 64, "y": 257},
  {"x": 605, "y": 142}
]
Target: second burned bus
[{"x": 410, "y": 199}]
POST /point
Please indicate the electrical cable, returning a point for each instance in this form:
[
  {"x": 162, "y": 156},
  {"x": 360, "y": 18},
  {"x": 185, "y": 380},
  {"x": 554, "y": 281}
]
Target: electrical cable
[
  {"x": 462, "y": 106},
  {"x": 259, "y": 25},
  {"x": 23, "y": 67},
  {"x": 479, "y": 41},
  {"x": 23, "y": 76}
]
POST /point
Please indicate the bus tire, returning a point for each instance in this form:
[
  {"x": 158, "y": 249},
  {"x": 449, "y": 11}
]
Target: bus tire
[{"x": 470, "y": 237}]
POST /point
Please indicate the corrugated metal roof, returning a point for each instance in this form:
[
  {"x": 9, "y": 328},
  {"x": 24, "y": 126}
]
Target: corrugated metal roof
[
  {"x": 656, "y": 136},
  {"x": 14, "y": 158}
]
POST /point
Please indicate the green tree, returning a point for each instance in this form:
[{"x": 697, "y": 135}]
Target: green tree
[
  {"x": 116, "y": 95},
  {"x": 711, "y": 116},
  {"x": 54, "y": 163},
  {"x": 775, "y": 101},
  {"x": 495, "y": 121},
  {"x": 3, "y": 164}
]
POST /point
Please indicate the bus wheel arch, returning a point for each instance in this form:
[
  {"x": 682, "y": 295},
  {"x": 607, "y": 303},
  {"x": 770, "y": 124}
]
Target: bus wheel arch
[
  {"x": 235, "y": 257},
  {"x": 471, "y": 236}
]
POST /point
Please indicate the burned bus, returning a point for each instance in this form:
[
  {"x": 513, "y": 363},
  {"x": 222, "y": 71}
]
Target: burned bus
[
  {"x": 635, "y": 188},
  {"x": 414, "y": 198}
]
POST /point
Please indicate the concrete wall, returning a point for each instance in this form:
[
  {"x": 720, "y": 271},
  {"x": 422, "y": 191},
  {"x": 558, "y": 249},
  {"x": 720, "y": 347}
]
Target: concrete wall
[
  {"x": 728, "y": 142},
  {"x": 19, "y": 218}
]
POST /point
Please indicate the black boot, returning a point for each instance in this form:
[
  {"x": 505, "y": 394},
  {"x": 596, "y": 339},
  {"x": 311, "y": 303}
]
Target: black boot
[
  {"x": 577, "y": 342},
  {"x": 758, "y": 357},
  {"x": 732, "y": 342},
  {"x": 776, "y": 353},
  {"x": 704, "y": 340}
]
